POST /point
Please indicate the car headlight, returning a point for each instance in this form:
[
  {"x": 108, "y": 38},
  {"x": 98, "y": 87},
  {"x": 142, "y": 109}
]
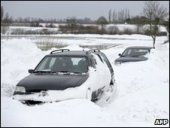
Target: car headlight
[{"x": 20, "y": 89}]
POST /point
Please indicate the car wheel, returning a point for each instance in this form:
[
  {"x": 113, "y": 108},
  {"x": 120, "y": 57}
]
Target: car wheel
[{"x": 97, "y": 95}]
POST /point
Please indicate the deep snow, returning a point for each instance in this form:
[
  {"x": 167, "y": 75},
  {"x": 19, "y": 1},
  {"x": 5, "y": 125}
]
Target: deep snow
[{"x": 142, "y": 94}]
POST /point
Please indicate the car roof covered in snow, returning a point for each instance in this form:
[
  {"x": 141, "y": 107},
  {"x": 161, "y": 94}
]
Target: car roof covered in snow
[
  {"x": 69, "y": 53},
  {"x": 142, "y": 47}
]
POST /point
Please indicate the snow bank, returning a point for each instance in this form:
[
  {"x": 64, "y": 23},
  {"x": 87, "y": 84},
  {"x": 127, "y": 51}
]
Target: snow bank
[
  {"x": 121, "y": 27},
  {"x": 74, "y": 112},
  {"x": 17, "y": 56},
  {"x": 143, "y": 89},
  {"x": 73, "y": 47},
  {"x": 141, "y": 107},
  {"x": 25, "y": 29}
]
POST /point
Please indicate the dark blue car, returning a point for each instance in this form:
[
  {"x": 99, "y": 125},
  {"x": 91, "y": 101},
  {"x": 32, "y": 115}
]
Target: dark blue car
[{"x": 133, "y": 54}]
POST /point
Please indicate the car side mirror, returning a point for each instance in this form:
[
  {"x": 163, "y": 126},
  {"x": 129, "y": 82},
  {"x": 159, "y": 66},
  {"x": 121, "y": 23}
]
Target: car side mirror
[
  {"x": 120, "y": 54},
  {"x": 30, "y": 70}
]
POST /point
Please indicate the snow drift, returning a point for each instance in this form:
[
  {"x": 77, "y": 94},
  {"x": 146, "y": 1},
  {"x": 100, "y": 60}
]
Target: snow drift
[{"x": 143, "y": 89}]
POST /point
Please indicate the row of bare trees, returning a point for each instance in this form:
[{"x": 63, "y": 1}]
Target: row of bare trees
[
  {"x": 5, "y": 19},
  {"x": 118, "y": 16},
  {"x": 153, "y": 14}
]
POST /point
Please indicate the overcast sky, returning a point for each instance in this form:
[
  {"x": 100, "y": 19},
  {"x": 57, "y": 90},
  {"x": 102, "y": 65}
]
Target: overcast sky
[{"x": 65, "y": 9}]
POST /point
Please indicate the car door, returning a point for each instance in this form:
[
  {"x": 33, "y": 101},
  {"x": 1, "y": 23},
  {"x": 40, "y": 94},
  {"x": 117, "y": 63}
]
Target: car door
[
  {"x": 102, "y": 71},
  {"x": 103, "y": 56}
]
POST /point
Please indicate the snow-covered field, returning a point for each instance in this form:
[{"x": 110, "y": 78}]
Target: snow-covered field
[
  {"x": 142, "y": 87},
  {"x": 109, "y": 28}
]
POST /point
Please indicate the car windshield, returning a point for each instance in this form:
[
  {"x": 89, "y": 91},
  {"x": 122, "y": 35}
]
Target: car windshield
[
  {"x": 135, "y": 52},
  {"x": 63, "y": 64}
]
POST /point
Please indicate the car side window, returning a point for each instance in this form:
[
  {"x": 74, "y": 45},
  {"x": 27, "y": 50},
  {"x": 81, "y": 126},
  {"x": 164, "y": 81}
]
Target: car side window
[{"x": 92, "y": 61}]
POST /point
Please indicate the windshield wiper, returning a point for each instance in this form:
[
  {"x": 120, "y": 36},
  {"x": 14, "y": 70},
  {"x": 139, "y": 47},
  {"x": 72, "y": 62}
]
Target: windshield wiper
[
  {"x": 43, "y": 71},
  {"x": 69, "y": 72},
  {"x": 62, "y": 72}
]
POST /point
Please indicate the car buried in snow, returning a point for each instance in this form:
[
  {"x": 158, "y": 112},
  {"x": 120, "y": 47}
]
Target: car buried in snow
[
  {"x": 65, "y": 74},
  {"x": 133, "y": 54}
]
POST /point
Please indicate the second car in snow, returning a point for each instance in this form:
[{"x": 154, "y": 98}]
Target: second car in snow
[{"x": 133, "y": 54}]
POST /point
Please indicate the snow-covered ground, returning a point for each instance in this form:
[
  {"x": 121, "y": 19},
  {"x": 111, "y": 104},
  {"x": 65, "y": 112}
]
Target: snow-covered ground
[{"x": 142, "y": 87}]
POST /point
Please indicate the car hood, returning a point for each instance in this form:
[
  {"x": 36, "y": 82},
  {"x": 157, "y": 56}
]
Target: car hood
[
  {"x": 38, "y": 82},
  {"x": 130, "y": 59}
]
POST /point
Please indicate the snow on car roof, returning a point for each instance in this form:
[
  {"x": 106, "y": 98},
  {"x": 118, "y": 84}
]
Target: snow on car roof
[
  {"x": 71, "y": 53},
  {"x": 67, "y": 52},
  {"x": 140, "y": 47}
]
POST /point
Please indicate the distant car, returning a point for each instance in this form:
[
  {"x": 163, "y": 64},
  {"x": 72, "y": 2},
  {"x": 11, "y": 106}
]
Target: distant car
[
  {"x": 65, "y": 74},
  {"x": 133, "y": 54}
]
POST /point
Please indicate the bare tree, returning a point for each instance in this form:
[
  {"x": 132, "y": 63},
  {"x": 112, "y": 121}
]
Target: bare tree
[
  {"x": 121, "y": 16},
  {"x": 72, "y": 23},
  {"x": 109, "y": 15},
  {"x": 102, "y": 21},
  {"x": 6, "y": 18},
  {"x": 2, "y": 13},
  {"x": 155, "y": 13},
  {"x": 114, "y": 16},
  {"x": 128, "y": 14},
  {"x": 6, "y": 21}
]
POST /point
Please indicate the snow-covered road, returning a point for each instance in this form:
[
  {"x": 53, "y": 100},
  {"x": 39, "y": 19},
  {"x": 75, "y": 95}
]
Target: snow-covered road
[{"x": 142, "y": 87}]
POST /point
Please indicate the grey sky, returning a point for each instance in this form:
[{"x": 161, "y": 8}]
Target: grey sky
[{"x": 65, "y": 9}]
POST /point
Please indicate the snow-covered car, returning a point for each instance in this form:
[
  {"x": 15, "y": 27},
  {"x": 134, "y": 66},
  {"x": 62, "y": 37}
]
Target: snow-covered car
[
  {"x": 65, "y": 74},
  {"x": 133, "y": 54}
]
